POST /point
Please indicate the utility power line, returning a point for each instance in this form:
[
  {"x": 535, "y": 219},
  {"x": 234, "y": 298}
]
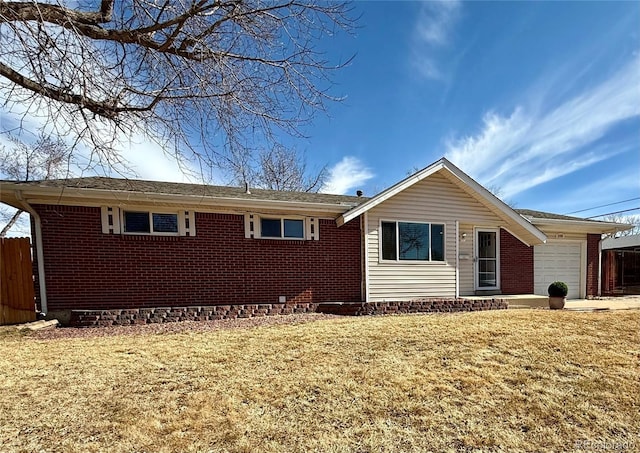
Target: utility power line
[
  {"x": 603, "y": 206},
  {"x": 611, "y": 213}
]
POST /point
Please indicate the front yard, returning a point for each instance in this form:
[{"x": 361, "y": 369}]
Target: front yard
[{"x": 512, "y": 380}]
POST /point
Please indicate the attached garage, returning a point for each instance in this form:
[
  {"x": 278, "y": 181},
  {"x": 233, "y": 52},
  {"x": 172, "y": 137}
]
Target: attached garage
[{"x": 560, "y": 261}]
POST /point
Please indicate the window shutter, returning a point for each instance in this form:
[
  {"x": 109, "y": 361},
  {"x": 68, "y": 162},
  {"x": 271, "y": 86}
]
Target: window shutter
[
  {"x": 250, "y": 226},
  {"x": 187, "y": 223},
  {"x": 110, "y": 220},
  {"x": 313, "y": 228}
]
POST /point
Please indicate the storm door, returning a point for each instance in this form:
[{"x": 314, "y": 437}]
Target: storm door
[{"x": 487, "y": 259}]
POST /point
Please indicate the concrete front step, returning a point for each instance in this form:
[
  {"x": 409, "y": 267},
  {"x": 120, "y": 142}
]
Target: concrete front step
[{"x": 521, "y": 300}]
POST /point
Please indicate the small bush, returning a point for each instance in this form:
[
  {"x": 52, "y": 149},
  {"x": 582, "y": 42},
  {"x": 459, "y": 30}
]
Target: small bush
[{"x": 558, "y": 289}]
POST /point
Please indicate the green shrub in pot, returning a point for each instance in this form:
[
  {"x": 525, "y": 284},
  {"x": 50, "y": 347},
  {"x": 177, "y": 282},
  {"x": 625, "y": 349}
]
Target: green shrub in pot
[
  {"x": 558, "y": 289},
  {"x": 557, "y": 293}
]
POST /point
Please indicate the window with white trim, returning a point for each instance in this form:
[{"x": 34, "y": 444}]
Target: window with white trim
[
  {"x": 281, "y": 227},
  {"x": 412, "y": 241},
  {"x": 139, "y": 221}
]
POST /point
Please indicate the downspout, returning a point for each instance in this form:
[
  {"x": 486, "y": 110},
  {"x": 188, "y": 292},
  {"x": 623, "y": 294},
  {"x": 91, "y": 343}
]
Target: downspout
[
  {"x": 600, "y": 267},
  {"x": 39, "y": 253},
  {"x": 365, "y": 243},
  {"x": 457, "y": 259}
]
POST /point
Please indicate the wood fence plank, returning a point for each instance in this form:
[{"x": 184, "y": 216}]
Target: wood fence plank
[
  {"x": 17, "y": 304},
  {"x": 4, "y": 294}
]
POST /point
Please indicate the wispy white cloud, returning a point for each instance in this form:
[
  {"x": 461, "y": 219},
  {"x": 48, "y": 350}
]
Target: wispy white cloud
[
  {"x": 530, "y": 147},
  {"x": 435, "y": 20},
  {"x": 346, "y": 175},
  {"x": 432, "y": 31}
]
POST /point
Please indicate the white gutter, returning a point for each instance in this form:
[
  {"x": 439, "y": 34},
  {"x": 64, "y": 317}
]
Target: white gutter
[
  {"x": 580, "y": 226},
  {"x": 39, "y": 253},
  {"x": 98, "y": 197},
  {"x": 600, "y": 267}
]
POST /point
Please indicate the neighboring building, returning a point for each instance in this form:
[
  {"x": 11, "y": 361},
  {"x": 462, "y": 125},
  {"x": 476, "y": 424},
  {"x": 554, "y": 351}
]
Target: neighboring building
[
  {"x": 110, "y": 243},
  {"x": 621, "y": 265}
]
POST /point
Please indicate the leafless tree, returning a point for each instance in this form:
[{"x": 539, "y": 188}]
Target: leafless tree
[
  {"x": 200, "y": 77},
  {"x": 279, "y": 168},
  {"x": 628, "y": 219},
  {"x": 46, "y": 158}
]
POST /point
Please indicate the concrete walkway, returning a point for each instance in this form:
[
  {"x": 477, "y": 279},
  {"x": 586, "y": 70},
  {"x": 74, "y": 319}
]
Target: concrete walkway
[
  {"x": 603, "y": 303},
  {"x": 610, "y": 303}
]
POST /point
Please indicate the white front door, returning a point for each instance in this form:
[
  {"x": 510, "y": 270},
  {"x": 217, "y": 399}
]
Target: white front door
[{"x": 487, "y": 259}]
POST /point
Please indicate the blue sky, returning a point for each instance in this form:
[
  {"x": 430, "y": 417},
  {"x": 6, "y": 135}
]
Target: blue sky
[{"x": 538, "y": 99}]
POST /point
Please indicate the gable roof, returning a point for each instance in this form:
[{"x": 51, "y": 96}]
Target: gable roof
[
  {"x": 462, "y": 180},
  {"x": 100, "y": 190}
]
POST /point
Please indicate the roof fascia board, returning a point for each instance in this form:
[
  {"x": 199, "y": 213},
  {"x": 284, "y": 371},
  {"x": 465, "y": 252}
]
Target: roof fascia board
[
  {"x": 443, "y": 163},
  {"x": 46, "y": 195},
  {"x": 495, "y": 201},
  {"x": 621, "y": 242},
  {"x": 581, "y": 225},
  {"x": 390, "y": 192}
]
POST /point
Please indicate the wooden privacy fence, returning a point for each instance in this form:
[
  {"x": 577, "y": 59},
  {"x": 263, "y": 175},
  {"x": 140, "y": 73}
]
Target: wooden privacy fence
[{"x": 17, "y": 304}]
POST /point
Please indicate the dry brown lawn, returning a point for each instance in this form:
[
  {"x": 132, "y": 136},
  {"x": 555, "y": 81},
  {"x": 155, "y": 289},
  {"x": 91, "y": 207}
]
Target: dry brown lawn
[{"x": 514, "y": 380}]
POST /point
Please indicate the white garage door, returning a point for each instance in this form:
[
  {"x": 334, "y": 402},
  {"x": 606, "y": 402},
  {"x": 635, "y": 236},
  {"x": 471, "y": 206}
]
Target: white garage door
[{"x": 557, "y": 261}]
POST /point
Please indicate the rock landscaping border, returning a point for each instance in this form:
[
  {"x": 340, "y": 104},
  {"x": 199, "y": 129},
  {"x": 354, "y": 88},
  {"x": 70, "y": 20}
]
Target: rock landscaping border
[
  {"x": 129, "y": 316},
  {"x": 429, "y": 305},
  {"x": 134, "y": 316}
]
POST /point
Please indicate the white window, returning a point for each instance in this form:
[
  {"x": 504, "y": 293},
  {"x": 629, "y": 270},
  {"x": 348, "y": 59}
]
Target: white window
[
  {"x": 272, "y": 227},
  {"x": 282, "y": 228},
  {"x": 412, "y": 241},
  {"x": 146, "y": 222},
  {"x": 142, "y": 222}
]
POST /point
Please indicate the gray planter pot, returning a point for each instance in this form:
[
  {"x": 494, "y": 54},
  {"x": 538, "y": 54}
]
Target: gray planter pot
[{"x": 556, "y": 303}]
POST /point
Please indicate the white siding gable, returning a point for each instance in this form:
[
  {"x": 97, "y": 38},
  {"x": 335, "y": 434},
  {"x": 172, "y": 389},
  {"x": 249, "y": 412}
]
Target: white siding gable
[{"x": 432, "y": 200}]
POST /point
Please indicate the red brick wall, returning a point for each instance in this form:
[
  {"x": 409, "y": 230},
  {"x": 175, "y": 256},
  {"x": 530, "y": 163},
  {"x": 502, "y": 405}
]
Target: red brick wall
[
  {"x": 86, "y": 269},
  {"x": 516, "y": 265},
  {"x": 593, "y": 256}
]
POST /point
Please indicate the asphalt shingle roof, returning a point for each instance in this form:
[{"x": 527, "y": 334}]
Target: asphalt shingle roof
[
  {"x": 549, "y": 215},
  {"x": 173, "y": 188}
]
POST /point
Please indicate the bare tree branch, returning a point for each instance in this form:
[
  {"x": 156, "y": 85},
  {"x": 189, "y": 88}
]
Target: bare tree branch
[
  {"x": 278, "y": 169},
  {"x": 202, "y": 77},
  {"x": 628, "y": 219},
  {"x": 12, "y": 221},
  {"x": 45, "y": 158}
]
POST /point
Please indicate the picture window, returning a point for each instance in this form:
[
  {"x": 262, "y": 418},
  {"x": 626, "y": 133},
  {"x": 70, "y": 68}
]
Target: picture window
[{"x": 412, "y": 241}]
